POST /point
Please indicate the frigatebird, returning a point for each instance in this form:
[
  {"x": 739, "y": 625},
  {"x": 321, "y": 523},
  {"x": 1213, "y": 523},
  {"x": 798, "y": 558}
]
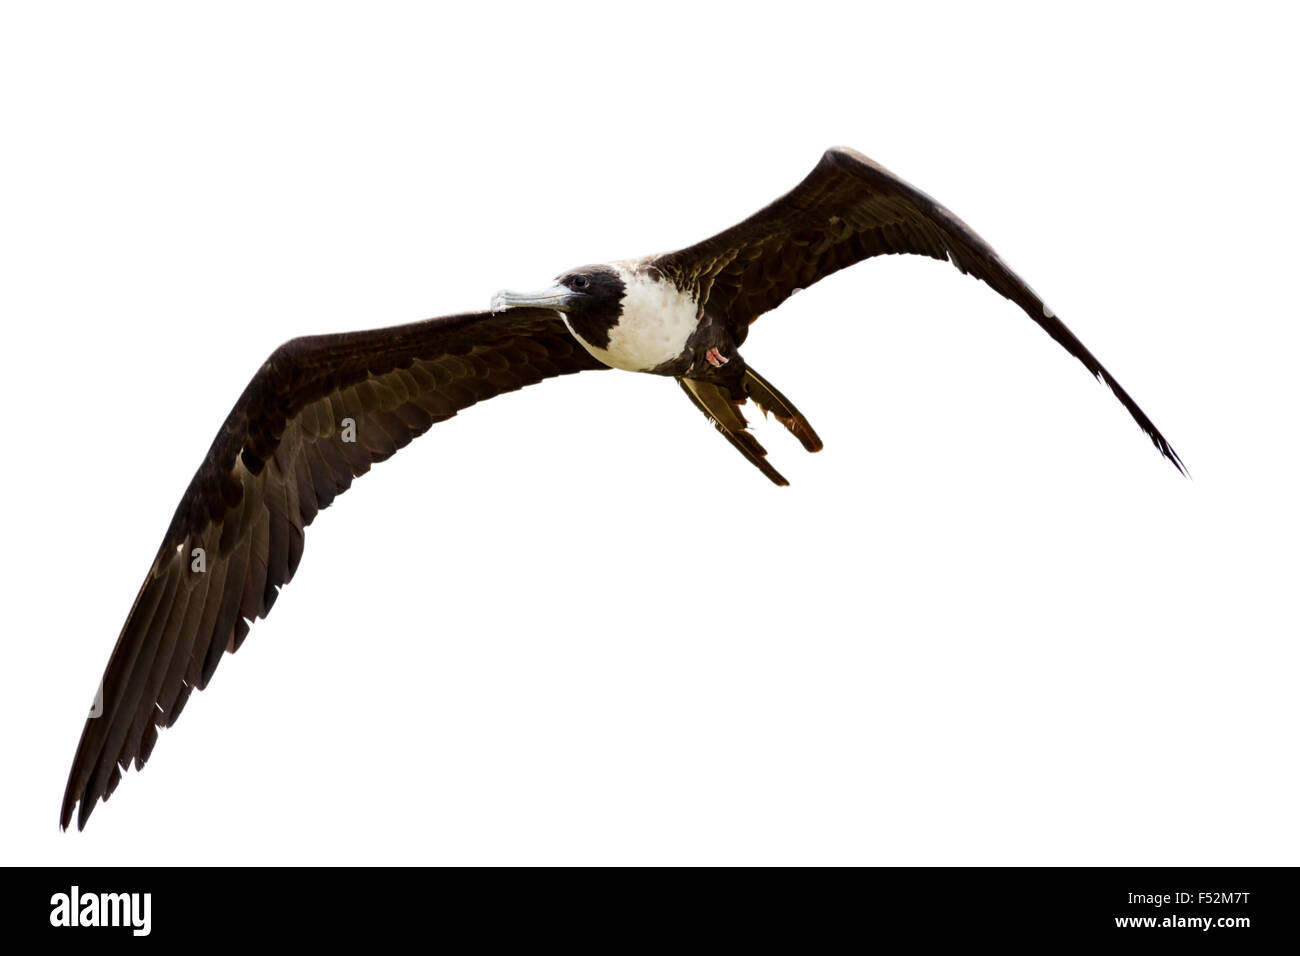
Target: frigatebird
[{"x": 322, "y": 409}]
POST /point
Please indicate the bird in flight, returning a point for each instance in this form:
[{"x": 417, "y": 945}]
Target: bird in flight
[{"x": 322, "y": 409}]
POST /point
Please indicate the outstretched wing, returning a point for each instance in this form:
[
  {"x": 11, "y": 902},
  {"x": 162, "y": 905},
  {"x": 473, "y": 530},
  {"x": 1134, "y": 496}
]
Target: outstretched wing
[
  {"x": 846, "y": 210},
  {"x": 318, "y": 413}
]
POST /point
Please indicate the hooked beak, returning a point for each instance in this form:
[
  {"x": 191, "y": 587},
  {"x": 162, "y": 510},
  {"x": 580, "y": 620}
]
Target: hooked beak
[{"x": 557, "y": 297}]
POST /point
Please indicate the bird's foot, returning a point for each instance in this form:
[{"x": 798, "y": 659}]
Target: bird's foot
[{"x": 716, "y": 358}]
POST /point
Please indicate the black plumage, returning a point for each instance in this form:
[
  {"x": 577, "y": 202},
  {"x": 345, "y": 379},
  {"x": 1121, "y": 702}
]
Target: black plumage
[
  {"x": 322, "y": 410},
  {"x": 848, "y": 209},
  {"x": 278, "y": 459}
]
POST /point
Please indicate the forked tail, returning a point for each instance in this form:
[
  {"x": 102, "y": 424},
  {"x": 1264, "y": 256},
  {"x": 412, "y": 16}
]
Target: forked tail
[{"x": 718, "y": 406}]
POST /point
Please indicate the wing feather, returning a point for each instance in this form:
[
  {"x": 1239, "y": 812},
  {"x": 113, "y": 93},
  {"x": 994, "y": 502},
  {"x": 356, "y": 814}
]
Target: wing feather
[
  {"x": 279, "y": 458},
  {"x": 848, "y": 209}
]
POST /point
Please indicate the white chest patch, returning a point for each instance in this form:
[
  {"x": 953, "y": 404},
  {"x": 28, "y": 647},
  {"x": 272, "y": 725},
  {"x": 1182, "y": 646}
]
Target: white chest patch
[{"x": 655, "y": 324}]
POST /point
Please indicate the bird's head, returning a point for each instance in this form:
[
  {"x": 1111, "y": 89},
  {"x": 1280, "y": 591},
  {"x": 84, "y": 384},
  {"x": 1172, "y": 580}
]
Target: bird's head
[{"x": 590, "y": 297}]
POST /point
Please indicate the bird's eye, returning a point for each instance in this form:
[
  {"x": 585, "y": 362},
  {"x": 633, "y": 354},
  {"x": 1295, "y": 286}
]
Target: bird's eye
[{"x": 579, "y": 282}]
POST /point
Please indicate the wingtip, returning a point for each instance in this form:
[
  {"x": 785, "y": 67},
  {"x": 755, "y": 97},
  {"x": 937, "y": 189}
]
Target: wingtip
[
  {"x": 76, "y": 805},
  {"x": 65, "y": 818},
  {"x": 68, "y": 808},
  {"x": 1143, "y": 422},
  {"x": 1162, "y": 444},
  {"x": 1167, "y": 450}
]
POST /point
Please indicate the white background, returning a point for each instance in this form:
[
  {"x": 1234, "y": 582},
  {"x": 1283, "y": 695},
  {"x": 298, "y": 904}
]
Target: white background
[{"x": 988, "y": 624}]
